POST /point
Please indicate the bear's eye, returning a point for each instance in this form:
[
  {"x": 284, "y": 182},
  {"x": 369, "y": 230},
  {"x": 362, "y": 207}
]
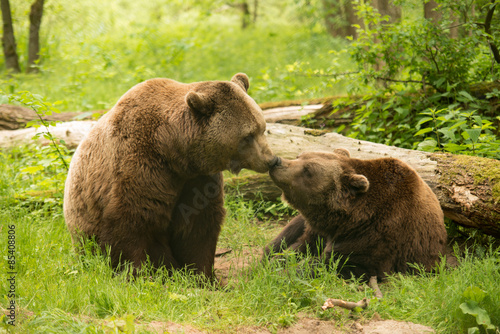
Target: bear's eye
[
  {"x": 248, "y": 139},
  {"x": 307, "y": 172}
]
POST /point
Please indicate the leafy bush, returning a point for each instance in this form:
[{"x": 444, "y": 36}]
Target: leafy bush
[{"x": 416, "y": 79}]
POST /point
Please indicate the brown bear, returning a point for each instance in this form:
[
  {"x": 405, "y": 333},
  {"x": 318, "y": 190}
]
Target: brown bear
[
  {"x": 146, "y": 181},
  {"x": 378, "y": 215}
]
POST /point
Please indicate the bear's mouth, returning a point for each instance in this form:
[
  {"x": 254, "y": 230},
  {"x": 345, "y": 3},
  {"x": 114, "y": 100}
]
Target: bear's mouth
[{"x": 234, "y": 167}]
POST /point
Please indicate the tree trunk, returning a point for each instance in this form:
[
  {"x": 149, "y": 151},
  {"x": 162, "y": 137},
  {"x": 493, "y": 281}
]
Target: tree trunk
[
  {"x": 34, "y": 38},
  {"x": 468, "y": 187},
  {"x": 389, "y": 9},
  {"x": 435, "y": 16},
  {"x": 340, "y": 16},
  {"x": 8, "y": 39},
  {"x": 245, "y": 15},
  {"x": 352, "y": 19},
  {"x": 487, "y": 30},
  {"x": 430, "y": 12},
  {"x": 255, "y": 8}
]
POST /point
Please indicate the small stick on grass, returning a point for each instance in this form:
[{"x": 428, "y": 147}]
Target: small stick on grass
[
  {"x": 373, "y": 284},
  {"x": 330, "y": 303}
]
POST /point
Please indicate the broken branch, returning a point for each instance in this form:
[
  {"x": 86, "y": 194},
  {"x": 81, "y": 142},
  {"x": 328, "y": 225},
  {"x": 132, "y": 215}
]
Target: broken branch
[{"x": 330, "y": 303}]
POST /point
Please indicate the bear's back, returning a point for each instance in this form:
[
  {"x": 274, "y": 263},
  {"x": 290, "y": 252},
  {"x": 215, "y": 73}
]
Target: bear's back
[{"x": 405, "y": 212}]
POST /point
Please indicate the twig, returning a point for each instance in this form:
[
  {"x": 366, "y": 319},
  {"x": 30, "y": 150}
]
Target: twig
[
  {"x": 330, "y": 303},
  {"x": 56, "y": 146},
  {"x": 433, "y": 58},
  {"x": 372, "y": 283},
  {"x": 395, "y": 80},
  {"x": 357, "y": 72},
  {"x": 334, "y": 75}
]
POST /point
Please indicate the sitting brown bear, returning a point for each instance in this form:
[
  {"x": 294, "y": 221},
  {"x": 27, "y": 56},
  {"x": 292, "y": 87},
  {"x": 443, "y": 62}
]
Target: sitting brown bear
[
  {"x": 147, "y": 182},
  {"x": 378, "y": 214}
]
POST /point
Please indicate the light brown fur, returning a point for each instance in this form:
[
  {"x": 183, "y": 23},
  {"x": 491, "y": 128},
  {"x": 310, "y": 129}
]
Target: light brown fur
[
  {"x": 147, "y": 180},
  {"x": 379, "y": 214}
]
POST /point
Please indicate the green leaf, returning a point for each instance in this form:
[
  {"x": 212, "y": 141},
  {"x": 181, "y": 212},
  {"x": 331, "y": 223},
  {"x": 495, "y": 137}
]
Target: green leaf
[
  {"x": 452, "y": 147},
  {"x": 402, "y": 111},
  {"x": 478, "y": 120},
  {"x": 457, "y": 124},
  {"x": 32, "y": 169},
  {"x": 448, "y": 133},
  {"x": 422, "y": 131},
  {"x": 439, "y": 82},
  {"x": 473, "y": 134},
  {"x": 424, "y": 120},
  {"x": 177, "y": 297},
  {"x": 428, "y": 145},
  {"x": 474, "y": 293},
  {"x": 473, "y": 330},
  {"x": 482, "y": 317},
  {"x": 467, "y": 95},
  {"x": 470, "y": 307}
]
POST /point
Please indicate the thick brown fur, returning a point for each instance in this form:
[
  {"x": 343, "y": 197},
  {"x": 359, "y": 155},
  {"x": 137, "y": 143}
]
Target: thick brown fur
[
  {"x": 147, "y": 180},
  {"x": 378, "y": 214}
]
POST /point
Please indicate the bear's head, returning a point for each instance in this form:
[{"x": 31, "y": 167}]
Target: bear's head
[
  {"x": 233, "y": 127},
  {"x": 319, "y": 179}
]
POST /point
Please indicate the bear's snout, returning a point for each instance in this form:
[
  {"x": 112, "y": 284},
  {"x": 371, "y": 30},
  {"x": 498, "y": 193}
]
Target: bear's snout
[{"x": 275, "y": 162}]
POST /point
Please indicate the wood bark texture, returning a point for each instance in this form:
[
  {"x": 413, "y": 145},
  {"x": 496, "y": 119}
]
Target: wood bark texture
[
  {"x": 36, "y": 13},
  {"x": 8, "y": 39},
  {"x": 15, "y": 117}
]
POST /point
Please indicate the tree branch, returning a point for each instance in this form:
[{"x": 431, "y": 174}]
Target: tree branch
[
  {"x": 372, "y": 76},
  {"x": 330, "y": 303}
]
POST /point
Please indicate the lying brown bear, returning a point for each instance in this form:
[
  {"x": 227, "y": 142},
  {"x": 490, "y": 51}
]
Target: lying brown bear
[{"x": 378, "y": 214}]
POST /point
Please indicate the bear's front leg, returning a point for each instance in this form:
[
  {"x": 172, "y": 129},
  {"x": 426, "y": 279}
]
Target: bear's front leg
[
  {"x": 197, "y": 221},
  {"x": 289, "y": 236}
]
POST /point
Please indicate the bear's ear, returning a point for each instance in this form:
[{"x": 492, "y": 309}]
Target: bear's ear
[
  {"x": 342, "y": 151},
  {"x": 241, "y": 79},
  {"x": 358, "y": 183},
  {"x": 199, "y": 102}
]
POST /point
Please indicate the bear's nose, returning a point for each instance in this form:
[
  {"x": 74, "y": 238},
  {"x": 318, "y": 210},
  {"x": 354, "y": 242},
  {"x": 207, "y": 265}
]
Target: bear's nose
[{"x": 275, "y": 162}]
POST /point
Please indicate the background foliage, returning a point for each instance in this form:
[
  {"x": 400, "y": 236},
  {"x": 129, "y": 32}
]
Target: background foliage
[{"x": 409, "y": 83}]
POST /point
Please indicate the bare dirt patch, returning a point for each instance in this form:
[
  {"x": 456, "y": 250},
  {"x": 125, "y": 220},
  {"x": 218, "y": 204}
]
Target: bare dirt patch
[
  {"x": 307, "y": 326},
  {"x": 170, "y": 327}
]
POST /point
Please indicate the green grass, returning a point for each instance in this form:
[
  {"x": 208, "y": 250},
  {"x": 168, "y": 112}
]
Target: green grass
[{"x": 60, "y": 291}]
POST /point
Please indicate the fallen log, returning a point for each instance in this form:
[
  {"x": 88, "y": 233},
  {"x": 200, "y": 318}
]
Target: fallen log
[
  {"x": 291, "y": 114},
  {"x": 16, "y": 117},
  {"x": 467, "y": 187},
  {"x": 71, "y": 132}
]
